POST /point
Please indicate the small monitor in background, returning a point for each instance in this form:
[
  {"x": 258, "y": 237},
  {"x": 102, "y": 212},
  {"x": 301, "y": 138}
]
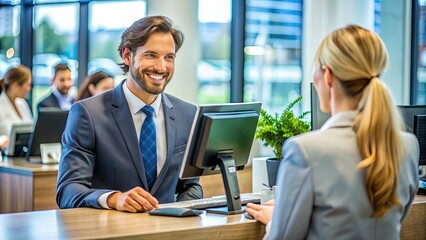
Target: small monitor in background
[
  {"x": 48, "y": 128},
  {"x": 318, "y": 118},
  {"x": 419, "y": 129},
  {"x": 219, "y": 143},
  {"x": 18, "y": 139},
  {"x": 408, "y": 112}
]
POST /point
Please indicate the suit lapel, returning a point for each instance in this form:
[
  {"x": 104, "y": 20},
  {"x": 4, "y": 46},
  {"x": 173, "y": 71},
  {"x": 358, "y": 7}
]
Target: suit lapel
[
  {"x": 123, "y": 118},
  {"x": 169, "y": 118}
]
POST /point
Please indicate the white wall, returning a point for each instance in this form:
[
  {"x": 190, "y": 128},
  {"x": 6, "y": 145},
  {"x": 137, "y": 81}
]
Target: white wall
[{"x": 184, "y": 14}]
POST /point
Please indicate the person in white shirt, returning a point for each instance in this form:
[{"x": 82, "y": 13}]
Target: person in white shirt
[{"x": 13, "y": 108}]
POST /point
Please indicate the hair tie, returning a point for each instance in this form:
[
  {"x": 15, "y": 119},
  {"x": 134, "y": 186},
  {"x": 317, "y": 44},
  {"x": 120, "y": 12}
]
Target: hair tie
[{"x": 377, "y": 76}]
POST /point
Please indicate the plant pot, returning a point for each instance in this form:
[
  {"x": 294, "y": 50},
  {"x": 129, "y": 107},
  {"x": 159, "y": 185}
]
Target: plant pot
[
  {"x": 261, "y": 175},
  {"x": 272, "y": 165}
]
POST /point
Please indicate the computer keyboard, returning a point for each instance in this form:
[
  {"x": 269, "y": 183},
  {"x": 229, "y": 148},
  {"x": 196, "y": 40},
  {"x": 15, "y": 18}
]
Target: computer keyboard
[{"x": 211, "y": 202}]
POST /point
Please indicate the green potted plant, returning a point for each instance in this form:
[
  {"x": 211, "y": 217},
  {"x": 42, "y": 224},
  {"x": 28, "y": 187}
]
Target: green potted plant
[{"x": 274, "y": 130}]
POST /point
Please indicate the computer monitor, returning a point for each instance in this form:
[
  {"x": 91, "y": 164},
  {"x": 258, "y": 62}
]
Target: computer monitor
[
  {"x": 419, "y": 129},
  {"x": 18, "y": 139},
  {"x": 318, "y": 117},
  {"x": 49, "y": 127},
  {"x": 219, "y": 143},
  {"x": 408, "y": 112},
  {"x": 414, "y": 119}
]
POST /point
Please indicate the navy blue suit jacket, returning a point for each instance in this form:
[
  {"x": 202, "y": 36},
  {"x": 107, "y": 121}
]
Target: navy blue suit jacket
[
  {"x": 49, "y": 102},
  {"x": 101, "y": 152}
]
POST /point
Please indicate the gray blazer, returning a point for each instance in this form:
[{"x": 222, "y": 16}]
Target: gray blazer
[
  {"x": 101, "y": 152},
  {"x": 321, "y": 194}
]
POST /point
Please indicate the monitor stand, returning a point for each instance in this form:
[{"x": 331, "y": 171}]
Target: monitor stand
[{"x": 230, "y": 181}]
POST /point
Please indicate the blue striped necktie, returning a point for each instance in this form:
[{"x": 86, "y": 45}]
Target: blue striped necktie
[{"x": 147, "y": 143}]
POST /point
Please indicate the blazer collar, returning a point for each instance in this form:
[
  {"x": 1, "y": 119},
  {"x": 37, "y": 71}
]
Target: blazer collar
[
  {"x": 339, "y": 120},
  {"x": 169, "y": 119},
  {"x": 123, "y": 119}
]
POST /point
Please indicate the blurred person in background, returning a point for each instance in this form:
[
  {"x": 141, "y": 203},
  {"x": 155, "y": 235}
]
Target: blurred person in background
[
  {"x": 13, "y": 107},
  {"x": 61, "y": 85},
  {"x": 94, "y": 84}
]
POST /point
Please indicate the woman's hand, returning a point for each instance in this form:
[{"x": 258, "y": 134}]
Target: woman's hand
[{"x": 262, "y": 213}]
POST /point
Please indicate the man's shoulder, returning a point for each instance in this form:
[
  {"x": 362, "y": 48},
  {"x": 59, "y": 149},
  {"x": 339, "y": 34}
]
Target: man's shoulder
[
  {"x": 46, "y": 100},
  {"x": 177, "y": 102},
  {"x": 100, "y": 99}
]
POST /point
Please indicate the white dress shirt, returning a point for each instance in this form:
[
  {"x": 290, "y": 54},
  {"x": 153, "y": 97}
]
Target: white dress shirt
[
  {"x": 135, "y": 105},
  {"x": 9, "y": 116},
  {"x": 64, "y": 102}
]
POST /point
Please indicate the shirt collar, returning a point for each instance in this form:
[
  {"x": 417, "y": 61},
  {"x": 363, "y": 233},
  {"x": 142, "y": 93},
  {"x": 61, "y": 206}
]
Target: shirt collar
[
  {"x": 136, "y": 104},
  {"x": 59, "y": 95},
  {"x": 340, "y": 119}
]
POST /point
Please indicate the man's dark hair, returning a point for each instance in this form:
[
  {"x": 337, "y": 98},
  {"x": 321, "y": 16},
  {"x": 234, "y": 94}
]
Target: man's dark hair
[
  {"x": 62, "y": 66},
  {"x": 139, "y": 32}
]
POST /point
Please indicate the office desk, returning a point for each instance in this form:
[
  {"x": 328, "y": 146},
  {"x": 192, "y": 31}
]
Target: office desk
[
  {"x": 26, "y": 186},
  {"x": 85, "y": 223}
]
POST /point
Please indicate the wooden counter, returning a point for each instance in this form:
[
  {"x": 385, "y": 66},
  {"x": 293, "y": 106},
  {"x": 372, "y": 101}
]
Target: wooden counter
[
  {"x": 26, "y": 186},
  {"x": 85, "y": 223}
]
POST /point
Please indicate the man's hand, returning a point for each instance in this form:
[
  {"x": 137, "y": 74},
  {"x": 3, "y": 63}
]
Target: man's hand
[{"x": 134, "y": 200}]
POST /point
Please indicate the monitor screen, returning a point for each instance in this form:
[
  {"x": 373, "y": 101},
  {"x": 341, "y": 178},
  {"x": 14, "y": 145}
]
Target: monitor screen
[
  {"x": 18, "y": 139},
  {"x": 318, "y": 118},
  {"x": 49, "y": 127},
  {"x": 419, "y": 129},
  {"x": 408, "y": 112},
  {"x": 219, "y": 143}
]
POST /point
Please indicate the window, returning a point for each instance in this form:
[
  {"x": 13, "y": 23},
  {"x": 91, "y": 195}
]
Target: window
[
  {"x": 106, "y": 24},
  {"x": 272, "y": 68},
  {"x": 418, "y": 82},
  {"x": 214, "y": 70},
  {"x": 9, "y": 37}
]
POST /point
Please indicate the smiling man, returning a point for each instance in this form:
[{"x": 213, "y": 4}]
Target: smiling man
[{"x": 123, "y": 149}]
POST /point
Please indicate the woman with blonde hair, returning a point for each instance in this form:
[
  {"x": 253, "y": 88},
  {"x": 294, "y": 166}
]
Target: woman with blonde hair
[
  {"x": 357, "y": 176},
  {"x": 13, "y": 108}
]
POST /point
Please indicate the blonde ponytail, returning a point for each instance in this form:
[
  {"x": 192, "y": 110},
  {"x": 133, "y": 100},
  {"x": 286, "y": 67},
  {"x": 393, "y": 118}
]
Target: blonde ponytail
[{"x": 377, "y": 128}]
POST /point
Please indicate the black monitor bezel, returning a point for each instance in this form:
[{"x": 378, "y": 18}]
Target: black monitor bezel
[
  {"x": 188, "y": 168},
  {"x": 418, "y": 132},
  {"x": 16, "y": 129}
]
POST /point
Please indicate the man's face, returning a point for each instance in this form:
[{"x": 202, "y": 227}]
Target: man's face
[
  {"x": 63, "y": 81},
  {"x": 152, "y": 65}
]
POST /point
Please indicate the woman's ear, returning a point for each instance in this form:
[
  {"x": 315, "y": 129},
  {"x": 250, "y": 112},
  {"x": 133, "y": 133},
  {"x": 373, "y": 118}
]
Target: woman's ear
[{"x": 328, "y": 76}]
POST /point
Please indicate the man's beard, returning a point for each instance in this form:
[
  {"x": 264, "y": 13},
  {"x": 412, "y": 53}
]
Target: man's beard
[
  {"x": 63, "y": 92},
  {"x": 139, "y": 77}
]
